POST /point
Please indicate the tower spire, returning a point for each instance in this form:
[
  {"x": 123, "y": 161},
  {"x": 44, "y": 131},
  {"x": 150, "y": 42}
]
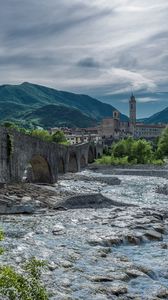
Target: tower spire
[{"x": 132, "y": 111}]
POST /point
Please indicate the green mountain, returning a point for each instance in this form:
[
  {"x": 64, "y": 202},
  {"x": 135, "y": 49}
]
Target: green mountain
[
  {"x": 39, "y": 105},
  {"x": 160, "y": 117},
  {"x": 59, "y": 115}
]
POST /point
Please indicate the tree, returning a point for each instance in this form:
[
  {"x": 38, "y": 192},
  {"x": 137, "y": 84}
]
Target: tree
[
  {"x": 142, "y": 151},
  {"x": 123, "y": 148},
  {"x": 139, "y": 151},
  {"x": 162, "y": 150},
  {"x": 9, "y": 124},
  {"x": 119, "y": 149},
  {"x": 42, "y": 134},
  {"x": 15, "y": 126},
  {"x": 59, "y": 137}
]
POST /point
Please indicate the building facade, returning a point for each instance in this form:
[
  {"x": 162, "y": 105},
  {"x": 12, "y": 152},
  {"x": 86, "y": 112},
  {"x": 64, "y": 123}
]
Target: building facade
[
  {"x": 79, "y": 135},
  {"x": 114, "y": 128},
  {"x": 149, "y": 131}
]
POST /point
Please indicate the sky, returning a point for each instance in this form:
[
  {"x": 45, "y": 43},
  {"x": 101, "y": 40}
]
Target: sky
[{"x": 104, "y": 48}]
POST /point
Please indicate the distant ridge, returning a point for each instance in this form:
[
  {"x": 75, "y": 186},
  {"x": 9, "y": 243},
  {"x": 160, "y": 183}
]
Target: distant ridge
[
  {"x": 160, "y": 117},
  {"x": 37, "y": 105}
]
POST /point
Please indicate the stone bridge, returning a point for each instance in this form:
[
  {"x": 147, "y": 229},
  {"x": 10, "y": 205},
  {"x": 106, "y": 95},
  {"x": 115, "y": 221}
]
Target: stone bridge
[{"x": 22, "y": 154}]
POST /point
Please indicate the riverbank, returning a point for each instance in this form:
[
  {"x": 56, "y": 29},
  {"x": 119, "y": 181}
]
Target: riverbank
[
  {"x": 74, "y": 190},
  {"x": 134, "y": 170},
  {"x": 32, "y": 198},
  {"x": 116, "y": 251}
]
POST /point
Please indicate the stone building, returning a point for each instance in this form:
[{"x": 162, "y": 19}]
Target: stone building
[
  {"x": 114, "y": 128},
  {"x": 148, "y": 131}
]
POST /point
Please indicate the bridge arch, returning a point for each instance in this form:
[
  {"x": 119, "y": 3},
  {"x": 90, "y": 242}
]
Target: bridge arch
[
  {"x": 61, "y": 165},
  {"x": 38, "y": 170},
  {"x": 91, "y": 154},
  {"x": 98, "y": 155},
  {"x": 73, "y": 163},
  {"x": 83, "y": 162},
  {"x": 9, "y": 147}
]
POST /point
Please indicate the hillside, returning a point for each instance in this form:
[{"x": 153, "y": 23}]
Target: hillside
[
  {"x": 160, "y": 117},
  {"x": 39, "y": 105},
  {"x": 59, "y": 115}
]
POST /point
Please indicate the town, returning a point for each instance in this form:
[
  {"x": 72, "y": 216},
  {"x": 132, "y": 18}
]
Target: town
[{"x": 113, "y": 129}]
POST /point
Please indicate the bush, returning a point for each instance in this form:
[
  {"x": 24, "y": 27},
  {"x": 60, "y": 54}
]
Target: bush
[
  {"x": 44, "y": 135},
  {"x": 111, "y": 160},
  {"x": 24, "y": 285},
  {"x": 1, "y": 235},
  {"x": 119, "y": 160},
  {"x": 157, "y": 162},
  {"x": 129, "y": 152},
  {"x": 104, "y": 160},
  {"x": 1, "y": 238},
  {"x": 136, "y": 151}
]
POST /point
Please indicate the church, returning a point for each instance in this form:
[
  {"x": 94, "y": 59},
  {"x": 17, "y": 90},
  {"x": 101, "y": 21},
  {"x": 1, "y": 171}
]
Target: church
[{"x": 114, "y": 128}]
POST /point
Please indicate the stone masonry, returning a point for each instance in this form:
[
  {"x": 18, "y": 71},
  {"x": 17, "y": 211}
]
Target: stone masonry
[{"x": 19, "y": 152}]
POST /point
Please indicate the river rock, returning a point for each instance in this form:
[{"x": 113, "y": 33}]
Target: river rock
[
  {"x": 26, "y": 199},
  {"x": 135, "y": 240},
  {"x": 96, "y": 200},
  {"x": 110, "y": 180},
  {"x": 163, "y": 293},
  {"x": 103, "y": 252},
  {"x": 100, "y": 297},
  {"x": 52, "y": 266},
  {"x": 66, "y": 264},
  {"x": 162, "y": 189},
  {"x": 101, "y": 278},
  {"x": 121, "y": 276},
  {"x": 159, "y": 227},
  {"x": 134, "y": 273},
  {"x": 17, "y": 209},
  {"x": 106, "y": 241},
  {"x": 147, "y": 271},
  {"x": 66, "y": 283},
  {"x": 58, "y": 229},
  {"x": 118, "y": 290},
  {"x": 153, "y": 235},
  {"x": 164, "y": 246}
]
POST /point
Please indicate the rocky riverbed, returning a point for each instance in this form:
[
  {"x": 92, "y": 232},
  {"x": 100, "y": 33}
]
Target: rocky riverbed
[{"x": 103, "y": 237}]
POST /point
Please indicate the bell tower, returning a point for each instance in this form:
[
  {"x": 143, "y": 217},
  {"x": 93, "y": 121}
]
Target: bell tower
[{"x": 132, "y": 111}]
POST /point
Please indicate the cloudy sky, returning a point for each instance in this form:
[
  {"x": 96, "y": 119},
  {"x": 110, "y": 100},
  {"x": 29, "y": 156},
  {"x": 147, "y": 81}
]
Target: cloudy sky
[{"x": 103, "y": 48}]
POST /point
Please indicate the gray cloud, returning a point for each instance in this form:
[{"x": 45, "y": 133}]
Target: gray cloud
[
  {"x": 97, "y": 47},
  {"x": 88, "y": 62}
]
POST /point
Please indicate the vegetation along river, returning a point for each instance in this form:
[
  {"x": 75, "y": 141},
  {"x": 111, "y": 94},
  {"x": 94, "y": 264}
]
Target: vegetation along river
[{"x": 114, "y": 252}]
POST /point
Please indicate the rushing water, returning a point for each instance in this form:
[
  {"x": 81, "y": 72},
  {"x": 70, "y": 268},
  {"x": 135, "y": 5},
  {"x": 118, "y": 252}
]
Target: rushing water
[{"x": 81, "y": 270}]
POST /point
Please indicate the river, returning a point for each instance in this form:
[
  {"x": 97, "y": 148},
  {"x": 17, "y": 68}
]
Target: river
[{"x": 107, "y": 253}]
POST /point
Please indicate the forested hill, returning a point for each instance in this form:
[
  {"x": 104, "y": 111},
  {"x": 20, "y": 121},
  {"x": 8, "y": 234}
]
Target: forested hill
[{"x": 39, "y": 105}]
